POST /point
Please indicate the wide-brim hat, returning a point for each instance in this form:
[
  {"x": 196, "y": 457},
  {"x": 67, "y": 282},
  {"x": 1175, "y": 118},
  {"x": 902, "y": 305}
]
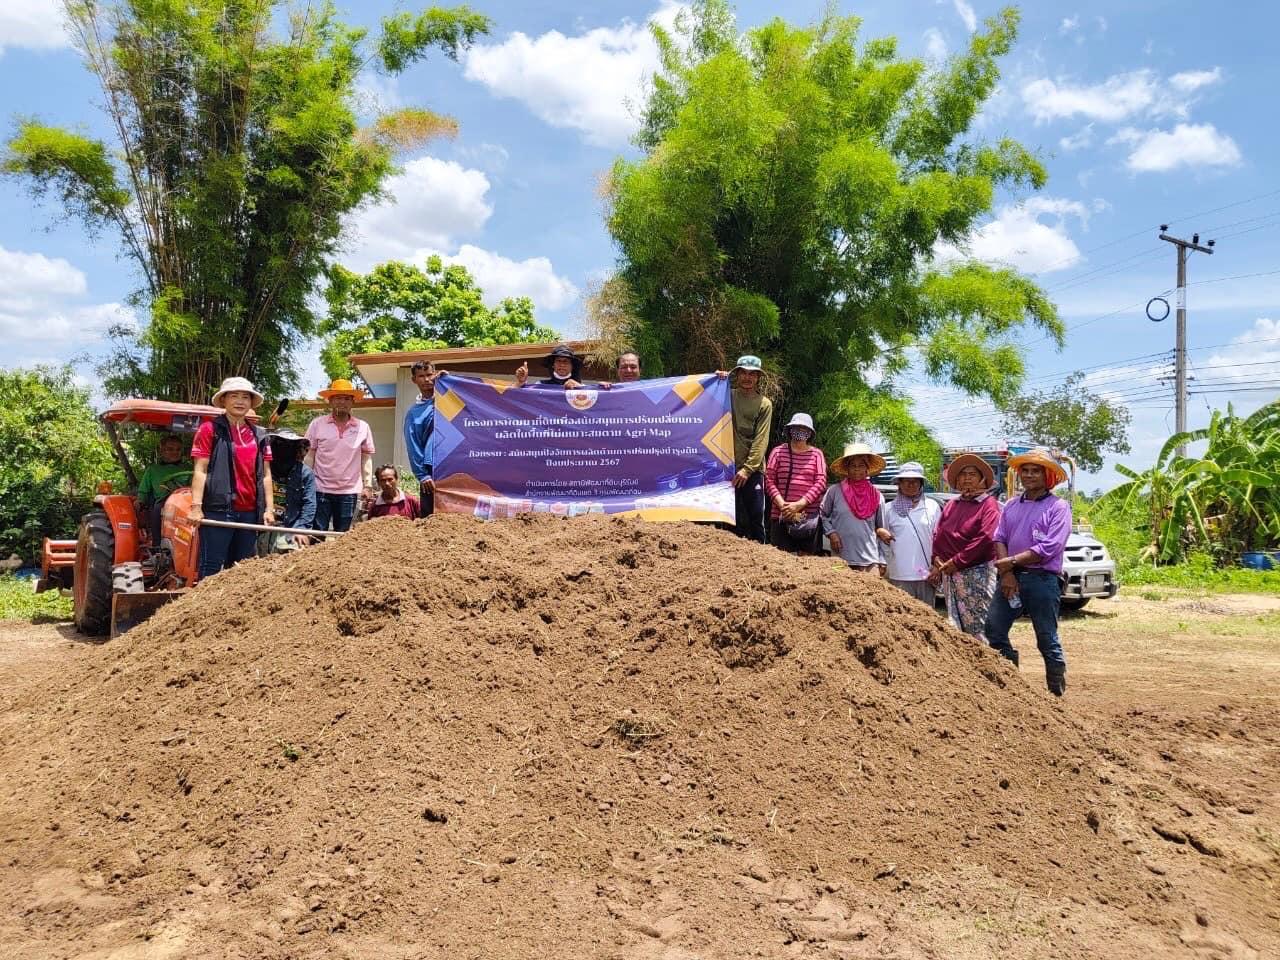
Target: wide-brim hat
[
  {"x": 1054, "y": 474},
  {"x": 970, "y": 460},
  {"x": 911, "y": 470},
  {"x": 749, "y": 361},
  {"x": 341, "y": 388},
  {"x": 562, "y": 351},
  {"x": 288, "y": 436},
  {"x": 875, "y": 462},
  {"x": 232, "y": 384}
]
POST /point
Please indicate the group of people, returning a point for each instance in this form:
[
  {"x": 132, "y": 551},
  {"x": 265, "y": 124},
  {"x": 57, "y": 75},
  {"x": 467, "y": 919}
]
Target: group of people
[{"x": 991, "y": 564}]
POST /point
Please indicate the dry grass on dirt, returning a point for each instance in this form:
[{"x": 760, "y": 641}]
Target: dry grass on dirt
[{"x": 607, "y": 739}]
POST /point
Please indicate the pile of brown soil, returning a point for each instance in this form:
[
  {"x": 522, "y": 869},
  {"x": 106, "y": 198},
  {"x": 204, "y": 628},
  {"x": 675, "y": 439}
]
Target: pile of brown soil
[{"x": 592, "y": 738}]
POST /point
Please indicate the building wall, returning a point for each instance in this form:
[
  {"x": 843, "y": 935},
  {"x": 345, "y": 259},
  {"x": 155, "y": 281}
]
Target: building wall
[{"x": 388, "y": 445}]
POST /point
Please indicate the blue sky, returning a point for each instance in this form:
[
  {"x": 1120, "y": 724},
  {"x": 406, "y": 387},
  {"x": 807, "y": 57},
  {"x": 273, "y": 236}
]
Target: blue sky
[{"x": 1145, "y": 114}]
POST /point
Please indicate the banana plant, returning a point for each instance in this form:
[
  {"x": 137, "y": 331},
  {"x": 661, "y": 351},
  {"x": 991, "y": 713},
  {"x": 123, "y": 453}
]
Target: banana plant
[{"x": 1225, "y": 501}]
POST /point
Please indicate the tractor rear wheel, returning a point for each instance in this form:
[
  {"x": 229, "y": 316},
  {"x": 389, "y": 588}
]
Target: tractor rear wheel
[
  {"x": 91, "y": 589},
  {"x": 127, "y": 578}
]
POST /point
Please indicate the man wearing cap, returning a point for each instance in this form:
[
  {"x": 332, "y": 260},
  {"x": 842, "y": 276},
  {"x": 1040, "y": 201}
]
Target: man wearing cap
[
  {"x": 752, "y": 416},
  {"x": 341, "y": 456},
  {"x": 1029, "y": 543},
  {"x": 419, "y": 422},
  {"x": 909, "y": 525}
]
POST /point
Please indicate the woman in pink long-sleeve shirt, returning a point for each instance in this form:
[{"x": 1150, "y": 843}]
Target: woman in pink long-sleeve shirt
[{"x": 795, "y": 477}]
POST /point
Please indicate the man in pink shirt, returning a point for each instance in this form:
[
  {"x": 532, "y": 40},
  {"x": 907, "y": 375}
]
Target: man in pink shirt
[{"x": 341, "y": 456}]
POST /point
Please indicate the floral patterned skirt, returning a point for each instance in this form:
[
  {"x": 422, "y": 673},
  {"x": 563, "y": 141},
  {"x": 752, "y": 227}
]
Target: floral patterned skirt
[{"x": 969, "y": 594}]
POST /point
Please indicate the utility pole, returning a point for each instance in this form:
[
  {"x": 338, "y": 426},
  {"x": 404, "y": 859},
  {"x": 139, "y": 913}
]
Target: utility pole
[{"x": 1180, "y": 351}]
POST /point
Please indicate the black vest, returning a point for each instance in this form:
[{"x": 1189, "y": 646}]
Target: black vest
[{"x": 220, "y": 481}]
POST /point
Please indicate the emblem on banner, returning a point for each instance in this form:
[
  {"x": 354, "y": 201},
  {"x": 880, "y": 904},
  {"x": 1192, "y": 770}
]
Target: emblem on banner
[{"x": 581, "y": 399}]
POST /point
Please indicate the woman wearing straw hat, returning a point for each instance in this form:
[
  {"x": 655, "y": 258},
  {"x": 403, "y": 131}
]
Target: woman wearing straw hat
[
  {"x": 794, "y": 478},
  {"x": 964, "y": 544},
  {"x": 853, "y": 510},
  {"x": 231, "y": 481},
  {"x": 1029, "y": 543},
  {"x": 909, "y": 523}
]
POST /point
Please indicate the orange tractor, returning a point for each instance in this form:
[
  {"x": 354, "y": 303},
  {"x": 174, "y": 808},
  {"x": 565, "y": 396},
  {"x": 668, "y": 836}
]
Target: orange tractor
[{"x": 117, "y": 575}]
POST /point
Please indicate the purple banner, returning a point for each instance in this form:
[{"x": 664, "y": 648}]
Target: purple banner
[{"x": 659, "y": 449}]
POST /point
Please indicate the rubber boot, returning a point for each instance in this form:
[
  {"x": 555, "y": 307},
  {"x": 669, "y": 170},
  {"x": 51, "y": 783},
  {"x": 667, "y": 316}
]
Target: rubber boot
[{"x": 1056, "y": 678}]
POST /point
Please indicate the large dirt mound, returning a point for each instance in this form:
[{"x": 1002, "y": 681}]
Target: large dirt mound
[{"x": 592, "y": 738}]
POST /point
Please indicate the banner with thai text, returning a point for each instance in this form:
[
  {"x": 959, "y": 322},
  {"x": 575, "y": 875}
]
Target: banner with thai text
[{"x": 658, "y": 449}]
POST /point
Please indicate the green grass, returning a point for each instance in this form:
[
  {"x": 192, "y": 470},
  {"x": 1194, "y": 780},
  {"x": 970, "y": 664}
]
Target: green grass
[
  {"x": 1126, "y": 538},
  {"x": 19, "y": 601}
]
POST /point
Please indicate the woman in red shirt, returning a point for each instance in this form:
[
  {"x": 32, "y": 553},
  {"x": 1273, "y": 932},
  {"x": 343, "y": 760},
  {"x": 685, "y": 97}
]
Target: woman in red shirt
[
  {"x": 795, "y": 477},
  {"x": 231, "y": 481},
  {"x": 964, "y": 544}
]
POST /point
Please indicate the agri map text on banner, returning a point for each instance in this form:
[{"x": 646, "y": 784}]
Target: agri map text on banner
[{"x": 658, "y": 449}]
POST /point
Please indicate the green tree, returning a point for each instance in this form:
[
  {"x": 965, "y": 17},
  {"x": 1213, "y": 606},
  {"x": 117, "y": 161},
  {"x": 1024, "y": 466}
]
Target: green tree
[
  {"x": 1071, "y": 418},
  {"x": 398, "y": 306},
  {"x": 235, "y": 155},
  {"x": 795, "y": 186},
  {"x": 55, "y": 456}
]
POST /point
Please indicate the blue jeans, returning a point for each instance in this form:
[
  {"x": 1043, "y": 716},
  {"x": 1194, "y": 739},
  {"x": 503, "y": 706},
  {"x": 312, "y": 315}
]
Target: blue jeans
[
  {"x": 338, "y": 507},
  {"x": 221, "y": 548},
  {"x": 1040, "y": 593}
]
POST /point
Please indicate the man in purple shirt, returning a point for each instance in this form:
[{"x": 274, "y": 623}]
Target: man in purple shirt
[{"x": 1029, "y": 542}]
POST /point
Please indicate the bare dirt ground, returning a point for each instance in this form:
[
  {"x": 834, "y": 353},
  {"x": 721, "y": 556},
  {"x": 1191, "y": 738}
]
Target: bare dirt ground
[{"x": 1172, "y": 717}]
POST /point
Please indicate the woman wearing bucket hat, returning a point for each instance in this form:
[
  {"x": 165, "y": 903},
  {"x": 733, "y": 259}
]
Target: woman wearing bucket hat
[
  {"x": 963, "y": 544},
  {"x": 853, "y": 511},
  {"x": 752, "y": 417},
  {"x": 794, "y": 479},
  {"x": 909, "y": 523},
  {"x": 231, "y": 480},
  {"x": 1029, "y": 543}
]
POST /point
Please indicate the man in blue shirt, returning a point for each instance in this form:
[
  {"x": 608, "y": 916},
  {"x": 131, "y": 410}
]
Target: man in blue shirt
[{"x": 419, "y": 422}]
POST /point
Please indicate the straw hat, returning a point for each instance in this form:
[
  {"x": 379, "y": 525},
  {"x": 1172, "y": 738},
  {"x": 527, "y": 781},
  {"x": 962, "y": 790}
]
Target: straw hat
[
  {"x": 236, "y": 383},
  {"x": 341, "y": 388},
  {"x": 970, "y": 460},
  {"x": 875, "y": 462},
  {"x": 1053, "y": 472}
]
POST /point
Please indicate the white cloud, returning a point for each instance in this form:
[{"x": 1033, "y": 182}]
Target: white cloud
[
  {"x": 72, "y": 326},
  {"x": 37, "y": 305},
  {"x": 1193, "y": 80},
  {"x": 1078, "y": 140},
  {"x": 1069, "y": 24},
  {"x": 430, "y": 204},
  {"x": 935, "y": 44},
  {"x": 29, "y": 279},
  {"x": 1119, "y": 97},
  {"x": 965, "y": 12},
  {"x": 587, "y": 82},
  {"x": 1019, "y": 237},
  {"x": 1186, "y": 145},
  {"x": 501, "y": 277},
  {"x": 34, "y": 24}
]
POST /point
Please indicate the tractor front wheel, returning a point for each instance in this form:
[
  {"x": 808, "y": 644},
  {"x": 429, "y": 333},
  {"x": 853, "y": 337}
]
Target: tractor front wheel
[
  {"x": 91, "y": 588},
  {"x": 127, "y": 578}
]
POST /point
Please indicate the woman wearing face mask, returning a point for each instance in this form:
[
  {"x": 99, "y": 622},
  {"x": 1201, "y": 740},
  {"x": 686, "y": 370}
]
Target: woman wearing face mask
[
  {"x": 909, "y": 522},
  {"x": 853, "y": 510},
  {"x": 794, "y": 478},
  {"x": 964, "y": 544}
]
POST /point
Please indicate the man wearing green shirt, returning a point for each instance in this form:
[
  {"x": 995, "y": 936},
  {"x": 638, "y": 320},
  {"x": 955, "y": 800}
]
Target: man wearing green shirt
[
  {"x": 752, "y": 415},
  {"x": 162, "y": 478}
]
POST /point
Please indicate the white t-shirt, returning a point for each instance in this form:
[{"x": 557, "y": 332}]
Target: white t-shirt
[{"x": 911, "y": 552}]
